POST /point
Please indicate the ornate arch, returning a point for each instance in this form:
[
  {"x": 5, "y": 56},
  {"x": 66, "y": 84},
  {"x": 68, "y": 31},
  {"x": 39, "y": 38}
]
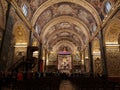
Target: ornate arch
[
  {"x": 66, "y": 30},
  {"x": 64, "y": 19},
  {"x": 112, "y": 31},
  {"x": 82, "y": 3},
  {"x": 70, "y": 44},
  {"x": 20, "y": 33}
]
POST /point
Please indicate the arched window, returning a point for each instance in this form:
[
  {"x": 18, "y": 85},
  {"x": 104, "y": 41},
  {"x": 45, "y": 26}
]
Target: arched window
[
  {"x": 107, "y": 7},
  {"x": 25, "y": 9},
  {"x": 37, "y": 28}
]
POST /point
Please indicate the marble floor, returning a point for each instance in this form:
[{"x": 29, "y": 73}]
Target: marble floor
[{"x": 66, "y": 85}]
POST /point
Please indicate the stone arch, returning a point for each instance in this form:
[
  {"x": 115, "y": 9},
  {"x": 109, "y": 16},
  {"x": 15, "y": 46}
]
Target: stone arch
[
  {"x": 65, "y": 30},
  {"x": 63, "y": 39},
  {"x": 79, "y": 2},
  {"x": 64, "y": 19},
  {"x": 70, "y": 44}
]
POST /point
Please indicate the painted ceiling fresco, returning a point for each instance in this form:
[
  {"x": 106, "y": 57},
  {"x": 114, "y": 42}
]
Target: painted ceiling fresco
[
  {"x": 65, "y": 20},
  {"x": 68, "y": 9}
]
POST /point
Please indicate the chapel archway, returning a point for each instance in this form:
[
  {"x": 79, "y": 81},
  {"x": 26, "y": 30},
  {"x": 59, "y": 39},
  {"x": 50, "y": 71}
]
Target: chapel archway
[
  {"x": 112, "y": 47},
  {"x": 20, "y": 39}
]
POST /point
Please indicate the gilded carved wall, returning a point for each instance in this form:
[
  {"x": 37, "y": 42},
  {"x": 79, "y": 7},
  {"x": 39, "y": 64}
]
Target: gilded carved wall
[
  {"x": 21, "y": 38},
  {"x": 112, "y": 47},
  {"x": 113, "y": 61}
]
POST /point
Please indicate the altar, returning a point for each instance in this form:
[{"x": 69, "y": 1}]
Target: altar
[{"x": 64, "y": 63}]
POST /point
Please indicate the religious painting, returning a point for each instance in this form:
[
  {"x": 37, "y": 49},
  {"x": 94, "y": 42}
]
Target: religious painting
[{"x": 64, "y": 62}]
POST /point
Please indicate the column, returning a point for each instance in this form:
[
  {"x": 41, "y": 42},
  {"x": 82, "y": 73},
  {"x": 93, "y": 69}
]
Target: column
[
  {"x": 45, "y": 59},
  {"x": 103, "y": 57},
  {"x": 5, "y": 43},
  {"x": 29, "y": 54},
  {"x": 29, "y": 47},
  {"x": 90, "y": 58},
  {"x": 83, "y": 58},
  {"x": 40, "y": 57}
]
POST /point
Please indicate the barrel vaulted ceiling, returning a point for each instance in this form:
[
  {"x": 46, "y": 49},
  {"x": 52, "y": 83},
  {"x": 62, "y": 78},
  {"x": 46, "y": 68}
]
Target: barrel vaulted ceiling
[{"x": 65, "y": 23}]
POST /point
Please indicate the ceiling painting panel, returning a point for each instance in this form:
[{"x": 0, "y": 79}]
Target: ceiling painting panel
[{"x": 67, "y": 9}]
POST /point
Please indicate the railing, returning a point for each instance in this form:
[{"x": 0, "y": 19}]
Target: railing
[{"x": 15, "y": 64}]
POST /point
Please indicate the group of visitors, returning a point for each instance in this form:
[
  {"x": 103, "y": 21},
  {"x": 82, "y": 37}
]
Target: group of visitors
[
  {"x": 8, "y": 77},
  {"x": 44, "y": 79}
]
